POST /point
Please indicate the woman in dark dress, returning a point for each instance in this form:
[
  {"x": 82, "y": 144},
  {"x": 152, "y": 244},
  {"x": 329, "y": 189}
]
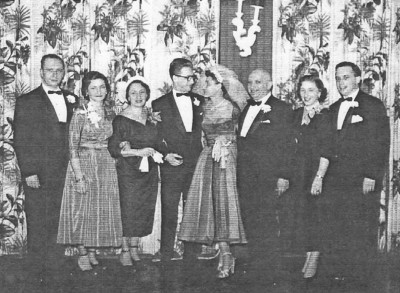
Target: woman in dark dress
[
  {"x": 313, "y": 143},
  {"x": 133, "y": 144}
]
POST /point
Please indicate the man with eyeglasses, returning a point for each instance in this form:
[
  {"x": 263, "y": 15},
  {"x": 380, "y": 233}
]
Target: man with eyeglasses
[
  {"x": 41, "y": 143},
  {"x": 180, "y": 130}
]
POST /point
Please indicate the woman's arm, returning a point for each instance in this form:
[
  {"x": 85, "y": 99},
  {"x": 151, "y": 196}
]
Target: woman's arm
[
  {"x": 118, "y": 146},
  {"x": 75, "y": 136},
  {"x": 316, "y": 187}
]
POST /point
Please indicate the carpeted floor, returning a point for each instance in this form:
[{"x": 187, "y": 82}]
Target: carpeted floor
[{"x": 198, "y": 276}]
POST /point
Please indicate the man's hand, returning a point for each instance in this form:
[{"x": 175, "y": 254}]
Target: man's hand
[
  {"x": 282, "y": 185},
  {"x": 33, "y": 181},
  {"x": 316, "y": 187},
  {"x": 368, "y": 185},
  {"x": 174, "y": 159}
]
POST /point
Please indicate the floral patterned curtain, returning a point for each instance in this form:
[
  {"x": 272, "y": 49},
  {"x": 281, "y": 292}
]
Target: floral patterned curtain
[
  {"x": 120, "y": 38},
  {"x": 315, "y": 35}
]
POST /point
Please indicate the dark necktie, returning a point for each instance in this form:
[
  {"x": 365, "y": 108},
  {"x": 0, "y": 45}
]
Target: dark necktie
[
  {"x": 55, "y": 92},
  {"x": 182, "y": 94},
  {"x": 251, "y": 102},
  {"x": 349, "y": 99}
]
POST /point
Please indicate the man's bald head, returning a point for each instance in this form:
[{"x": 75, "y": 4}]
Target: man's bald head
[{"x": 259, "y": 84}]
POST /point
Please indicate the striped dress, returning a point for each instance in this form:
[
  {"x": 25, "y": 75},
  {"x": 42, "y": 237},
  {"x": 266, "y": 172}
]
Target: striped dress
[{"x": 94, "y": 218}]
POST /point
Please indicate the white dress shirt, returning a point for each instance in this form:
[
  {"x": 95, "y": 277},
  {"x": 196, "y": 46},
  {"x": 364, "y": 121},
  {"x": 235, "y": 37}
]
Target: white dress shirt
[
  {"x": 185, "y": 108},
  {"x": 58, "y": 103},
  {"x": 344, "y": 108},
  {"x": 251, "y": 115}
]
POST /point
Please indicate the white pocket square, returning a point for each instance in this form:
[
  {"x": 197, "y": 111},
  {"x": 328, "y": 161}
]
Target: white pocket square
[
  {"x": 356, "y": 119},
  {"x": 265, "y": 121}
]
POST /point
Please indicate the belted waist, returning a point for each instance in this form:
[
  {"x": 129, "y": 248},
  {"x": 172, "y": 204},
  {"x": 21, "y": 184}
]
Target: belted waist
[
  {"x": 93, "y": 146},
  {"x": 211, "y": 141}
]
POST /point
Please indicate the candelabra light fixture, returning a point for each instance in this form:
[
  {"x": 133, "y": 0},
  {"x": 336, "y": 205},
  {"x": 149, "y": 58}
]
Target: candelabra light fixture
[{"x": 246, "y": 41}]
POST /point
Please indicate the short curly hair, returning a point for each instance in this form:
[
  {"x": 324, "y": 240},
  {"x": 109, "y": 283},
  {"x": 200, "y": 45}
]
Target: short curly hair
[{"x": 318, "y": 82}]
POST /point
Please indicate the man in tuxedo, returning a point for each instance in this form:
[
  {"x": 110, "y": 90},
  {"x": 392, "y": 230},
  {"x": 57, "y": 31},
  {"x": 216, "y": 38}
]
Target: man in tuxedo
[
  {"x": 354, "y": 181},
  {"x": 41, "y": 143},
  {"x": 180, "y": 130},
  {"x": 262, "y": 164}
]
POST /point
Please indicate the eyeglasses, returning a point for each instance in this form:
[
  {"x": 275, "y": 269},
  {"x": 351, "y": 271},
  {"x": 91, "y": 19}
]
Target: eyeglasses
[
  {"x": 52, "y": 71},
  {"x": 189, "y": 77}
]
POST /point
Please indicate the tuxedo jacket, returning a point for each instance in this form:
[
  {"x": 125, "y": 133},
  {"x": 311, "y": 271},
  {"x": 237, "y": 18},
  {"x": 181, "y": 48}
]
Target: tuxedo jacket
[
  {"x": 41, "y": 141},
  {"x": 361, "y": 147},
  {"x": 172, "y": 130},
  {"x": 268, "y": 146}
]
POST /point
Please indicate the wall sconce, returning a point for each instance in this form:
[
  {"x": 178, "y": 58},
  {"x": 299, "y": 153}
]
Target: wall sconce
[{"x": 243, "y": 41}]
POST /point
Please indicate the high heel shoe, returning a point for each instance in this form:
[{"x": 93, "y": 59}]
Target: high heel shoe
[
  {"x": 84, "y": 262},
  {"x": 125, "y": 258},
  {"x": 303, "y": 270},
  {"x": 224, "y": 269},
  {"x": 134, "y": 253},
  {"x": 311, "y": 268},
  {"x": 92, "y": 258}
]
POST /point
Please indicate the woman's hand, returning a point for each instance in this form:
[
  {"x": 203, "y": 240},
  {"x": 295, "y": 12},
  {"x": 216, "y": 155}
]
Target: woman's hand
[
  {"x": 125, "y": 145},
  {"x": 146, "y": 152},
  {"x": 81, "y": 185},
  {"x": 316, "y": 187}
]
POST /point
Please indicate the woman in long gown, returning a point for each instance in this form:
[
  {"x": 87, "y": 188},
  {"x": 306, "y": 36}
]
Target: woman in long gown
[
  {"x": 90, "y": 211},
  {"x": 134, "y": 144},
  {"x": 313, "y": 136},
  {"x": 212, "y": 212}
]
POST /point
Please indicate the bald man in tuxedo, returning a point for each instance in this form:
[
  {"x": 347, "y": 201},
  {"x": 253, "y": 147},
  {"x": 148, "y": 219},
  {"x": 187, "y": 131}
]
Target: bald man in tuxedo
[{"x": 263, "y": 171}]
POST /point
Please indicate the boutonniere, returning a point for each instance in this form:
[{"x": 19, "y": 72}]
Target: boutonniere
[
  {"x": 196, "y": 102},
  {"x": 265, "y": 108},
  {"x": 71, "y": 99},
  {"x": 266, "y": 121},
  {"x": 356, "y": 119}
]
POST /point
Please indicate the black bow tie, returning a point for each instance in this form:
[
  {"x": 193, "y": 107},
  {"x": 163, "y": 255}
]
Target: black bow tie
[
  {"x": 55, "y": 92},
  {"x": 347, "y": 99},
  {"x": 251, "y": 102},
  {"x": 182, "y": 94}
]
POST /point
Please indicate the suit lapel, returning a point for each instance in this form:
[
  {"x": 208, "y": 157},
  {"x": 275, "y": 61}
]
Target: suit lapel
[
  {"x": 175, "y": 110},
  {"x": 348, "y": 117},
  {"x": 70, "y": 106},
  {"x": 51, "y": 112},
  {"x": 242, "y": 117},
  {"x": 196, "y": 114},
  {"x": 260, "y": 116}
]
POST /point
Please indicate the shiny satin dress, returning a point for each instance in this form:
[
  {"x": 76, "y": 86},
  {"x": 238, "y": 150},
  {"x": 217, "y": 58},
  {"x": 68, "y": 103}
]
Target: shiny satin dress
[
  {"x": 92, "y": 219},
  {"x": 212, "y": 212}
]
